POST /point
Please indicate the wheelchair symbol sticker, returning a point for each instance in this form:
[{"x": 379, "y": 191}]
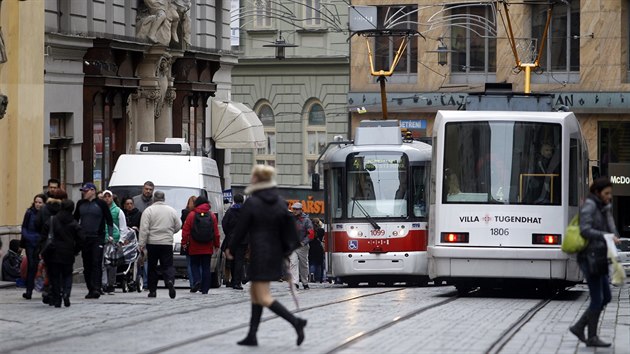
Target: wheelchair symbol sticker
[{"x": 353, "y": 245}]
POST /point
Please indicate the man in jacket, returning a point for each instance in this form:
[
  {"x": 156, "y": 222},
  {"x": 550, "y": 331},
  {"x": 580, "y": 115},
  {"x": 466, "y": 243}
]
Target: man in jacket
[
  {"x": 158, "y": 224},
  {"x": 144, "y": 200},
  {"x": 230, "y": 220},
  {"x": 298, "y": 261},
  {"x": 93, "y": 214}
]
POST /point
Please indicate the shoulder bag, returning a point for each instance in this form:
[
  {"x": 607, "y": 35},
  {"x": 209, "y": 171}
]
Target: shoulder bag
[{"x": 573, "y": 242}]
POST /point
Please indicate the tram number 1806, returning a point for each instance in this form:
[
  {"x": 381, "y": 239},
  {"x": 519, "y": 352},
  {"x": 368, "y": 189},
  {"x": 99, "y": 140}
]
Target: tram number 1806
[{"x": 497, "y": 231}]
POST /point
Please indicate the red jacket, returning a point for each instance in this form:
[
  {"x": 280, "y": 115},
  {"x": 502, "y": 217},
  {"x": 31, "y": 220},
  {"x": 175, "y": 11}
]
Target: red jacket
[{"x": 196, "y": 248}]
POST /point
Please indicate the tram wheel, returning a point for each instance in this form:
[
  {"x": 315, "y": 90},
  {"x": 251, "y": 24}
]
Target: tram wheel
[
  {"x": 373, "y": 284},
  {"x": 353, "y": 284}
]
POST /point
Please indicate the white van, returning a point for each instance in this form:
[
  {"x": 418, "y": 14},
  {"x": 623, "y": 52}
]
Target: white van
[{"x": 170, "y": 167}]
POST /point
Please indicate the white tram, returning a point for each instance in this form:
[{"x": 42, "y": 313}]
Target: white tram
[
  {"x": 503, "y": 188},
  {"x": 376, "y": 206}
]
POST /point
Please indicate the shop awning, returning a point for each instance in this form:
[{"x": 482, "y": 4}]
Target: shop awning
[{"x": 236, "y": 126}]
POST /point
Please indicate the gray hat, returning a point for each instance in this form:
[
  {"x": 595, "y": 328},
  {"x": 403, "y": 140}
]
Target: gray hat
[{"x": 296, "y": 206}]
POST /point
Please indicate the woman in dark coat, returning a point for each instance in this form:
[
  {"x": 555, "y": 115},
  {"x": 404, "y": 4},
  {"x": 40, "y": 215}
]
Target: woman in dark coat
[
  {"x": 132, "y": 214},
  {"x": 67, "y": 244},
  {"x": 30, "y": 242},
  {"x": 595, "y": 221},
  {"x": 266, "y": 220}
]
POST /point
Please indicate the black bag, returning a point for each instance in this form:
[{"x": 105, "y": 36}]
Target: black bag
[
  {"x": 203, "y": 228},
  {"x": 49, "y": 246},
  {"x": 597, "y": 260},
  {"x": 288, "y": 235}
]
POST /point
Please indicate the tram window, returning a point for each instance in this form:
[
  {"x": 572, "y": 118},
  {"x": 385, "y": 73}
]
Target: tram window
[
  {"x": 502, "y": 162},
  {"x": 573, "y": 172},
  {"x": 419, "y": 191},
  {"x": 335, "y": 192},
  {"x": 377, "y": 184}
]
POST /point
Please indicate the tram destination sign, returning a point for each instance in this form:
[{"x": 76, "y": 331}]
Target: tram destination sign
[{"x": 620, "y": 178}]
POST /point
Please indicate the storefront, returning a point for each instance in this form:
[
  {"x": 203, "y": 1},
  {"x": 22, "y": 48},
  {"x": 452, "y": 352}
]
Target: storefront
[{"x": 312, "y": 202}]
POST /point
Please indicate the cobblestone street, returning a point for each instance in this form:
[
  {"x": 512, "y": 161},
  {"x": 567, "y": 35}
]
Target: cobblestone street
[{"x": 340, "y": 319}]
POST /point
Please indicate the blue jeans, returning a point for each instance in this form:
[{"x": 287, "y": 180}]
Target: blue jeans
[
  {"x": 200, "y": 265},
  {"x": 191, "y": 281},
  {"x": 318, "y": 271},
  {"x": 598, "y": 288}
]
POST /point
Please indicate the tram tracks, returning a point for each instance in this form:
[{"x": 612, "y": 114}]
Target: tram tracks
[
  {"x": 146, "y": 319},
  {"x": 511, "y": 331}
]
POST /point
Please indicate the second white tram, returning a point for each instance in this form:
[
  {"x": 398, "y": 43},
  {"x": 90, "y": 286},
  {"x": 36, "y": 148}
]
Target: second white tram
[
  {"x": 504, "y": 187},
  {"x": 376, "y": 206}
]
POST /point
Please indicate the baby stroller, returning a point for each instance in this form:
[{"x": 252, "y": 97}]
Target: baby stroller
[{"x": 125, "y": 256}]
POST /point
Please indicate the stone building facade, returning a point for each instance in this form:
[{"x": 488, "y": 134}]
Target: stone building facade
[
  {"x": 118, "y": 72},
  {"x": 301, "y": 99},
  {"x": 21, "y": 111},
  {"x": 585, "y": 66}
]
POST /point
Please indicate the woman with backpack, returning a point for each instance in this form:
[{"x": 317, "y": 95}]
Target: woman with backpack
[
  {"x": 270, "y": 228},
  {"x": 200, "y": 236},
  {"x": 595, "y": 221}
]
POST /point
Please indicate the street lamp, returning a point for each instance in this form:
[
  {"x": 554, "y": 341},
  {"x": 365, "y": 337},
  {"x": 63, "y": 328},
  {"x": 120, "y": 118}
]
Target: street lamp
[
  {"x": 280, "y": 44},
  {"x": 442, "y": 52}
]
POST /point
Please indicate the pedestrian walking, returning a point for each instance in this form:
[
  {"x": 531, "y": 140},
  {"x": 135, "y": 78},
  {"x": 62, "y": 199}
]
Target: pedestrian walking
[
  {"x": 183, "y": 250},
  {"x": 68, "y": 242},
  {"x": 596, "y": 220},
  {"x": 316, "y": 252},
  {"x": 229, "y": 222},
  {"x": 268, "y": 225},
  {"x": 298, "y": 261},
  {"x": 93, "y": 215},
  {"x": 145, "y": 199},
  {"x": 158, "y": 225},
  {"x": 200, "y": 236},
  {"x": 120, "y": 230},
  {"x": 30, "y": 242},
  {"x": 43, "y": 215}
]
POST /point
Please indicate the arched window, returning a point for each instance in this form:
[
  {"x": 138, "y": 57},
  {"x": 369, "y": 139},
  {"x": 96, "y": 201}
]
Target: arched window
[
  {"x": 267, "y": 154},
  {"x": 315, "y": 119}
]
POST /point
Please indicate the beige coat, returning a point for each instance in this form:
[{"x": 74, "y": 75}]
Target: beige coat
[{"x": 158, "y": 224}]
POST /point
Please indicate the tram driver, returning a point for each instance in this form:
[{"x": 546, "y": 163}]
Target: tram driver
[{"x": 539, "y": 186}]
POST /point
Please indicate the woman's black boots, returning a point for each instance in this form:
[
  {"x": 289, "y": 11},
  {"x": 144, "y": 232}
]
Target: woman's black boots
[
  {"x": 298, "y": 323},
  {"x": 593, "y": 340},
  {"x": 578, "y": 327},
  {"x": 254, "y": 321}
]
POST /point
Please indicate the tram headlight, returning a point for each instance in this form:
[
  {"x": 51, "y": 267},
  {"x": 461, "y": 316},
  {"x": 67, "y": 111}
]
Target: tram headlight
[
  {"x": 353, "y": 233},
  {"x": 402, "y": 231}
]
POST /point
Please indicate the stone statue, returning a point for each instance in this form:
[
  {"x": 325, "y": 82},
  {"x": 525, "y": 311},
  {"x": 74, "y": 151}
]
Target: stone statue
[
  {"x": 183, "y": 10},
  {"x": 157, "y": 21}
]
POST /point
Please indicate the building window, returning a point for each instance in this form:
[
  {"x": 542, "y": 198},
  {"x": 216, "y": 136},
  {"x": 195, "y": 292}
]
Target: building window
[
  {"x": 267, "y": 154},
  {"x": 315, "y": 118},
  {"x": 59, "y": 143},
  {"x": 263, "y": 13},
  {"x": 562, "y": 50},
  {"x": 397, "y": 17},
  {"x": 312, "y": 12},
  {"x": 473, "y": 45}
]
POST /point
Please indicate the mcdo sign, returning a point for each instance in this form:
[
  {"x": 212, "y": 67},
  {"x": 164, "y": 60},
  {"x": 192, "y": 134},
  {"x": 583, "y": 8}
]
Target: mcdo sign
[{"x": 620, "y": 178}]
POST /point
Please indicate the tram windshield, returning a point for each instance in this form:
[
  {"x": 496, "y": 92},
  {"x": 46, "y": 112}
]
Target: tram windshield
[
  {"x": 502, "y": 162},
  {"x": 377, "y": 184}
]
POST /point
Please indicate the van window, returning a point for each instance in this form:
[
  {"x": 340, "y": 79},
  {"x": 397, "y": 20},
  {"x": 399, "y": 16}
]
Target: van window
[{"x": 176, "y": 197}]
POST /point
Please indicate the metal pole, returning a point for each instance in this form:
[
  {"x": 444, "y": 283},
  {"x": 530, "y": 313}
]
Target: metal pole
[{"x": 381, "y": 79}]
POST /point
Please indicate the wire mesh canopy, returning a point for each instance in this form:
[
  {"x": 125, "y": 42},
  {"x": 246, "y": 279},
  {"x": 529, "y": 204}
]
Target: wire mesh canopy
[{"x": 236, "y": 126}]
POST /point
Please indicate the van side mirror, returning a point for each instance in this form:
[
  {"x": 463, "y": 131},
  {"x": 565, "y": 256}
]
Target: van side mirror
[
  {"x": 595, "y": 172},
  {"x": 315, "y": 182}
]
